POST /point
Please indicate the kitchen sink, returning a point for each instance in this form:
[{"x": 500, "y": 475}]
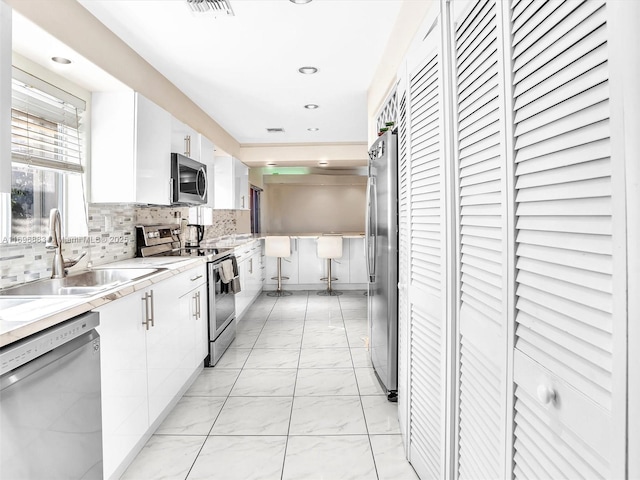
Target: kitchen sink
[{"x": 84, "y": 283}]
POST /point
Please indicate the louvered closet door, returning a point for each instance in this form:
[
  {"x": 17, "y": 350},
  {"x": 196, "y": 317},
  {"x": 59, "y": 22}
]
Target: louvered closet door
[
  {"x": 482, "y": 242},
  {"x": 564, "y": 323},
  {"x": 403, "y": 263},
  {"x": 427, "y": 273}
]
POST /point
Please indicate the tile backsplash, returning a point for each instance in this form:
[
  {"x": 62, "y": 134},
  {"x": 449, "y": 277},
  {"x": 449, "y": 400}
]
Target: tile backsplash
[{"x": 111, "y": 236}]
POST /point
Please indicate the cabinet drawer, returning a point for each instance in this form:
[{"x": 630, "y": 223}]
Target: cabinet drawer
[{"x": 556, "y": 428}]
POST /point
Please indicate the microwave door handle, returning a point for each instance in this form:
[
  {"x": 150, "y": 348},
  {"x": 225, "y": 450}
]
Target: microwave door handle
[{"x": 206, "y": 185}]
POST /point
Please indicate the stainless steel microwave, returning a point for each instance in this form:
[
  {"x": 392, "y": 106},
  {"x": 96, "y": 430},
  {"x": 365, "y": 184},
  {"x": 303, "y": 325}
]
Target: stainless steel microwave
[{"x": 189, "y": 182}]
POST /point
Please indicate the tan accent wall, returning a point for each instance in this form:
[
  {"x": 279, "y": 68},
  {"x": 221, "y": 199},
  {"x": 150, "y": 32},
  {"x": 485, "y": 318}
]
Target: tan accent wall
[
  {"x": 75, "y": 26},
  {"x": 313, "y": 208}
]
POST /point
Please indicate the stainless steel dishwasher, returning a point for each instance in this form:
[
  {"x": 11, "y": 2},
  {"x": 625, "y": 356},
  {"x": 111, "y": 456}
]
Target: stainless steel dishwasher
[{"x": 50, "y": 408}]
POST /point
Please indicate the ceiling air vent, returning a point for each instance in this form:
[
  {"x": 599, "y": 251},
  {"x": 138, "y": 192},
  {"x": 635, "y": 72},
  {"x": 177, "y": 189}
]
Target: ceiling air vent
[
  {"x": 275, "y": 130},
  {"x": 219, "y": 7}
]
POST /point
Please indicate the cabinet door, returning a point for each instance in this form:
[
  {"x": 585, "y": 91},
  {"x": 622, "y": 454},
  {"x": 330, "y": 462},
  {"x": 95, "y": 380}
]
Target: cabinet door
[
  {"x": 483, "y": 313},
  {"x": 152, "y": 153},
  {"x": 169, "y": 345},
  {"x": 224, "y": 183},
  {"x": 242, "y": 298},
  {"x": 195, "y": 304},
  {"x": 241, "y": 185},
  {"x": 313, "y": 268},
  {"x": 565, "y": 327},
  {"x": 123, "y": 367},
  {"x": 207, "y": 156},
  {"x": 189, "y": 147}
]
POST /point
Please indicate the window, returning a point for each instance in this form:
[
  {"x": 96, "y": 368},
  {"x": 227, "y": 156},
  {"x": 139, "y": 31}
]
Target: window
[{"x": 46, "y": 140}]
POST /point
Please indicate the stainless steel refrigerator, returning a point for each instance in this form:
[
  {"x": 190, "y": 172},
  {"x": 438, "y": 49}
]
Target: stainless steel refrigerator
[{"x": 382, "y": 260}]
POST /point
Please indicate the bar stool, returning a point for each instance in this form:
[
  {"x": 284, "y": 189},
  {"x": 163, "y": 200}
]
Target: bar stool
[
  {"x": 278, "y": 247},
  {"x": 329, "y": 247}
]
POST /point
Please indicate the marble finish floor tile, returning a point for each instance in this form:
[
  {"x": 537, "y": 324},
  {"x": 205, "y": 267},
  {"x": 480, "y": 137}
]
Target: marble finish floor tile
[
  {"x": 273, "y": 358},
  {"x": 346, "y": 457},
  {"x": 390, "y": 458},
  {"x": 213, "y": 383},
  {"x": 327, "y": 416},
  {"x": 381, "y": 415},
  {"x": 279, "y": 340},
  {"x": 234, "y": 358},
  {"x": 240, "y": 458},
  {"x": 361, "y": 357},
  {"x": 245, "y": 339},
  {"x": 192, "y": 416},
  {"x": 325, "y": 358},
  {"x": 325, "y": 381},
  {"x": 254, "y": 416},
  {"x": 327, "y": 339},
  {"x": 165, "y": 457},
  {"x": 368, "y": 383},
  {"x": 272, "y": 382}
]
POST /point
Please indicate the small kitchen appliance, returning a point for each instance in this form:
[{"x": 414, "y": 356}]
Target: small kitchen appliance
[{"x": 189, "y": 182}]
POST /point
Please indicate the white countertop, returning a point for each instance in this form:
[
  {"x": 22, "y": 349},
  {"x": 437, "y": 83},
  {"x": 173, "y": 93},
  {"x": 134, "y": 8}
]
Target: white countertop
[{"x": 22, "y": 317}]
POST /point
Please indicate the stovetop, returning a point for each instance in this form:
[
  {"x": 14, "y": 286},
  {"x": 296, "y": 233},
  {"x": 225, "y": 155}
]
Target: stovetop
[{"x": 154, "y": 241}]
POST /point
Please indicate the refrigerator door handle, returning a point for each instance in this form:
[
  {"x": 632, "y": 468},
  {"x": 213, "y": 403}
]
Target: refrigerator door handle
[{"x": 371, "y": 228}]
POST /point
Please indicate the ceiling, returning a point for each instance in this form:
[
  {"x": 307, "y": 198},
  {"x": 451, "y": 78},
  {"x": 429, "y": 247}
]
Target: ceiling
[{"x": 242, "y": 70}]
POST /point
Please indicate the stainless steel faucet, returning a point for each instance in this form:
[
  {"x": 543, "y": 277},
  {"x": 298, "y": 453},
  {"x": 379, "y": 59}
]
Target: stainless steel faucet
[{"x": 54, "y": 240}]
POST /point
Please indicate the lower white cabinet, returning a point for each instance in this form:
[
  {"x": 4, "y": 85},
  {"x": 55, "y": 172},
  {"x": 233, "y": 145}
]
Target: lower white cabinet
[
  {"x": 251, "y": 271},
  {"x": 152, "y": 343}
]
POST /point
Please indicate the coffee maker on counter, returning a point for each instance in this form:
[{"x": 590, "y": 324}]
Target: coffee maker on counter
[{"x": 199, "y": 217}]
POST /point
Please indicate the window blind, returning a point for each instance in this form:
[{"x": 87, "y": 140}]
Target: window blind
[{"x": 45, "y": 124}]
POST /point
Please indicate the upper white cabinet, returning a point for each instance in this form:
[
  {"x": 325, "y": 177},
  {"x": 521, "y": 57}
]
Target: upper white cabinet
[
  {"x": 130, "y": 149},
  {"x": 207, "y": 156},
  {"x": 184, "y": 140},
  {"x": 231, "y": 184}
]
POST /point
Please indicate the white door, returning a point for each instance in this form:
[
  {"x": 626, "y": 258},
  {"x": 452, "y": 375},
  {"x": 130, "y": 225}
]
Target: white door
[
  {"x": 566, "y": 325},
  {"x": 482, "y": 240},
  {"x": 423, "y": 257}
]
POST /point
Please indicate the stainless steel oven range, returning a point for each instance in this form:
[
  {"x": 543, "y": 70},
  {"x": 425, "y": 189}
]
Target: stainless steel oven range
[{"x": 222, "y": 312}]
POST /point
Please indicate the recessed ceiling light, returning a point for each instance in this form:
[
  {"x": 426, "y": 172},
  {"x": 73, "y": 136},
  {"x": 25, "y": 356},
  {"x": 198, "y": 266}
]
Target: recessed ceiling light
[
  {"x": 271, "y": 164},
  {"x": 61, "y": 60},
  {"x": 307, "y": 70},
  {"x": 311, "y": 106},
  {"x": 313, "y": 129},
  {"x": 323, "y": 163},
  {"x": 300, "y": 2}
]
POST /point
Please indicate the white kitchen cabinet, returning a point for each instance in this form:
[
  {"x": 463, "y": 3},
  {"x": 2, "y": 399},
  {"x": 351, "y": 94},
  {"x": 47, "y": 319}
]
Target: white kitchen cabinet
[
  {"x": 357, "y": 261},
  {"x": 231, "y": 178},
  {"x": 130, "y": 149},
  {"x": 312, "y": 268},
  {"x": 185, "y": 140},
  {"x": 207, "y": 156},
  {"x": 251, "y": 270},
  {"x": 153, "y": 342},
  {"x": 170, "y": 341},
  {"x": 193, "y": 304},
  {"x": 123, "y": 369}
]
